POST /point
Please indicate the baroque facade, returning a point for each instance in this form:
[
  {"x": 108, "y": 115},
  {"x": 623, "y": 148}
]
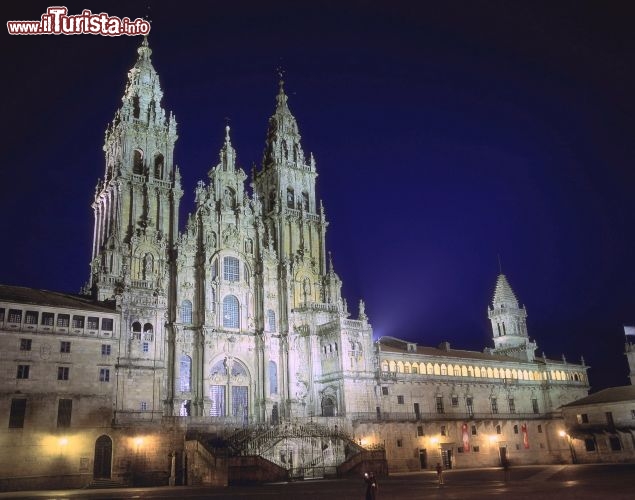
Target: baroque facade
[{"x": 238, "y": 322}]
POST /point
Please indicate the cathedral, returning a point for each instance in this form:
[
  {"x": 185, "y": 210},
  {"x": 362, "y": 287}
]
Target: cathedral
[{"x": 223, "y": 341}]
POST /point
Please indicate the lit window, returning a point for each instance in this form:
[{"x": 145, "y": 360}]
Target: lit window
[
  {"x": 15, "y": 316},
  {"x": 65, "y": 346},
  {"x": 63, "y": 320},
  {"x": 230, "y": 312},
  {"x": 186, "y": 373},
  {"x": 62, "y": 372},
  {"x": 48, "y": 319},
  {"x": 271, "y": 321},
  {"x": 104, "y": 375},
  {"x": 186, "y": 311},
  {"x": 25, "y": 344},
  {"x": 105, "y": 349},
  {"x": 273, "y": 378},
  {"x": 23, "y": 372},
  {"x": 231, "y": 269}
]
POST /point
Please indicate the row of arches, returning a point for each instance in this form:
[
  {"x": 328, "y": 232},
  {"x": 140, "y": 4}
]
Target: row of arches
[
  {"x": 231, "y": 312},
  {"x": 477, "y": 371},
  {"x": 138, "y": 164}
]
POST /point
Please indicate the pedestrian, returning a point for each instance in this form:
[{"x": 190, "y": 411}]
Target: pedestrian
[
  {"x": 506, "y": 465},
  {"x": 440, "y": 474},
  {"x": 371, "y": 485}
]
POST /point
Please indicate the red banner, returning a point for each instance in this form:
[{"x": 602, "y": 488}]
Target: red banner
[
  {"x": 525, "y": 435},
  {"x": 466, "y": 438}
]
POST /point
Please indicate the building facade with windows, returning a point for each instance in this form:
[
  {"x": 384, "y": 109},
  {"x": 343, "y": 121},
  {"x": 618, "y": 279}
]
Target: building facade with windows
[{"x": 238, "y": 322}]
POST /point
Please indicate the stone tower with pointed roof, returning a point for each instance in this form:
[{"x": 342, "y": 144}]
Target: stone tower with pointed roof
[
  {"x": 509, "y": 323},
  {"x": 136, "y": 208},
  {"x": 259, "y": 330}
]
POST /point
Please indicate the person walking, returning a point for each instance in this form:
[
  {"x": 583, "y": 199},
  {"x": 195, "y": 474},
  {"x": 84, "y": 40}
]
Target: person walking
[
  {"x": 440, "y": 474},
  {"x": 371, "y": 485}
]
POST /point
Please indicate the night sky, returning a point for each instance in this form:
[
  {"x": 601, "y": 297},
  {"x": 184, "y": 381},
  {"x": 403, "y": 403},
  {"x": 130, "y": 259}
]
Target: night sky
[{"x": 445, "y": 134}]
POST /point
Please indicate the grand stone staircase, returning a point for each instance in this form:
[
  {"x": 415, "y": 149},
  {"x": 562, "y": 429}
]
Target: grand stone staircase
[{"x": 288, "y": 451}]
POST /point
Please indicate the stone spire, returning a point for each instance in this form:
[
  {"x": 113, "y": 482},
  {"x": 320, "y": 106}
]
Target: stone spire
[
  {"x": 283, "y": 137},
  {"x": 138, "y": 199},
  {"x": 509, "y": 323},
  {"x": 503, "y": 294}
]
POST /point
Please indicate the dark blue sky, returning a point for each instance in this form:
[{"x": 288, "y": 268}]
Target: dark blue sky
[{"x": 445, "y": 133}]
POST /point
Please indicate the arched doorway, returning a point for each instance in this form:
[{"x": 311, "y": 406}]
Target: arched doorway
[
  {"x": 328, "y": 406},
  {"x": 103, "y": 458}
]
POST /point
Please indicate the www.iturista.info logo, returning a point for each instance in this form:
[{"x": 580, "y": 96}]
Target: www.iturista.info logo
[{"x": 56, "y": 21}]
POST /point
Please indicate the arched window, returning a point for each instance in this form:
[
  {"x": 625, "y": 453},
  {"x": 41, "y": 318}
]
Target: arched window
[
  {"x": 285, "y": 150},
  {"x": 393, "y": 366},
  {"x": 399, "y": 367},
  {"x": 137, "y": 164},
  {"x": 422, "y": 368},
  {"x": 136, "y": 109},
  {"x": 273, "y": 378},
  {"x": 437, "y": 370},
  {"x": 429, "y": 369},
  {"x": 305, "y": 201},
  {"x": 470, "y": 371},
  {"x": 415, "y": 368},
  {"x": 508, "y": 374},
  {"x": 514, "y": 373},
  {"x": 231, "y": 317},
  {"x": 463, "y": 371},
  {"x": 231, "y": 269},
  {"x": 328, "y": 406},
  {"x": 186, "y": 373},
  {"x": 495, "y": 372},
  {"x": 158, "y": 166},
  {"x": 147, "y": 328},
  {"x": 444, "y": 369},
  {"x": 272, "y": 200},
  {"x": 490, "y": 372},
  {"x": 186, "y": 311},
  {"x": 136, "y": 327},
  {"x": 290, "y": 198},
  {"x": 477, "y": 371},
  {"x": 384, "y": 366},
  {"x": 498, "y": 429},
  {"x": 271, "y": 321},
  {"x": 406, "y": 367},
  {"x": 212, "y": 300}
]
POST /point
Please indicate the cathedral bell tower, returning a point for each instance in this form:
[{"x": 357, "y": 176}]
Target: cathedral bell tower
[
  {"x": 509, "y": 323},
  {"x": 136, "y": 203}
]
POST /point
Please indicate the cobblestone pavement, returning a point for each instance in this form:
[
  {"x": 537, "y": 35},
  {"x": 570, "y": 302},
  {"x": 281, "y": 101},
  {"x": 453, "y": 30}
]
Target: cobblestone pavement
[{"x": 531, "y": 482}]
